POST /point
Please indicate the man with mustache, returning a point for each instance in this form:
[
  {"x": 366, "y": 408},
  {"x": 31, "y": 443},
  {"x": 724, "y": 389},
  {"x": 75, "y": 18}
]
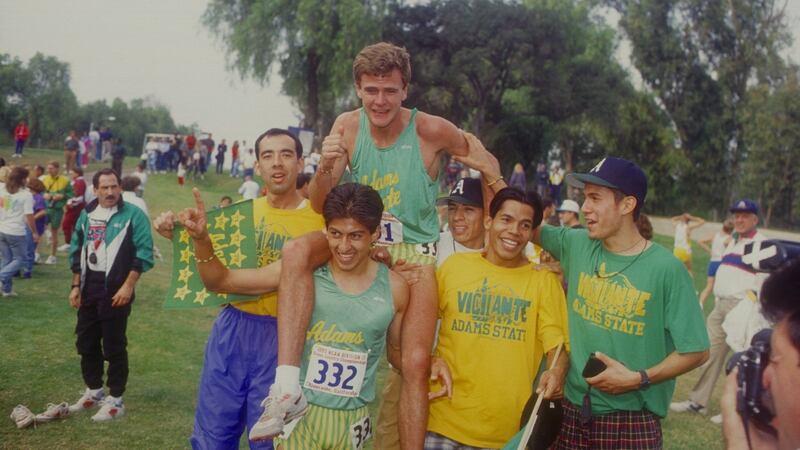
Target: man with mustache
[{"x": 111, "y": 247}]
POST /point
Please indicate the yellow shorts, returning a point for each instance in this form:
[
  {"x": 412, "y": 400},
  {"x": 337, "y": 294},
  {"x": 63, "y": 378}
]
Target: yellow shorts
[
  {"x": 335, "y": 429},
  {"x": 423, "y": 254},
  {"x": 682, "y": 254}
]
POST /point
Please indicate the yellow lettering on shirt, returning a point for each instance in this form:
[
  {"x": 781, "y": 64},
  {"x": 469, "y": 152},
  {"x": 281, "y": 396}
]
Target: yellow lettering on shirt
[
  {"x": 381, "y": 182},
  {"x": 329, "y": 334},
  {"x": 612, "y": 303}
]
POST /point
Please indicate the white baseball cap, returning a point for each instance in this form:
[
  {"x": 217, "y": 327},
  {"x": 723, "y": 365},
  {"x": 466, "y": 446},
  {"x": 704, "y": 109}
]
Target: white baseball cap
[{"x": 571, "y": 206}]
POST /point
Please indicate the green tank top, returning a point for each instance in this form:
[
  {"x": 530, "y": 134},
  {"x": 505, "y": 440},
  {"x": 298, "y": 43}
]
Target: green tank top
[
  {"x": 345, "y": 341},
  {"x": 398, "y": 174}
]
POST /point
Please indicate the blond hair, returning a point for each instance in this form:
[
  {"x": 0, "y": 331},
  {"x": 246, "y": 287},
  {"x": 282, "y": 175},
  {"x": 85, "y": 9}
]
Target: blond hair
[{"x": 381, "y": 59}]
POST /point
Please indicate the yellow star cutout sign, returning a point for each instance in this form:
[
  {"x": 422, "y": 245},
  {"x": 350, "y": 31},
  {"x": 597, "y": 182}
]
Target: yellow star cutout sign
[
  {"x": 186, "y": 255},
  {"x": 236, "y": 218},
  {"x": 236, "y": 239},
  {"x": 236, "y": 258},
  {"x": 201, "y": 296},
  {"x": 185, "y": 274},
  {"x": 220, "y": 221},
  {"x": 182, "y": 292},
  {"x": 184, "y": 236}
]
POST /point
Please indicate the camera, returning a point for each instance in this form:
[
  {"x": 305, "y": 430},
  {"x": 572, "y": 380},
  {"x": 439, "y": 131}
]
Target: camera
[{"x": 752, "y": 400}]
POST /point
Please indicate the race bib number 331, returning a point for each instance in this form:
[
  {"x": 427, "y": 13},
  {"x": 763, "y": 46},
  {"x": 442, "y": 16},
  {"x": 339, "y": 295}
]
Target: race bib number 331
[{"x": 335, "y": 371}]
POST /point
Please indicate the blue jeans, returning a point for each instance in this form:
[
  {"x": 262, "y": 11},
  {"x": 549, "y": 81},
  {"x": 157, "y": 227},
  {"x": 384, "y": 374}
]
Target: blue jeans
[
  {"x": 30, "y": 253},
  {"x": 235, "y": 168},
  {"x": 12, "y": 250},
  {"x": 20, "y": 146}
]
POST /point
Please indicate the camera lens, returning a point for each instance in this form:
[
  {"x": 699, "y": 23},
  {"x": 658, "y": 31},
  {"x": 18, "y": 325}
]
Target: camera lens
[{"x": 93, "y": 258}]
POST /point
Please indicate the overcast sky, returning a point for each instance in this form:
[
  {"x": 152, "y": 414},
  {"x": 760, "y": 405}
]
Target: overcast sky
[{"x": 132, "y": 49}]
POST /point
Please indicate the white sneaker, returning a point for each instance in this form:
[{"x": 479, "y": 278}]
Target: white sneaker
[
  {"x": 53, "y": 412},
  {"x": 716, "y": 419},
  {"x": 63, "y": 248},
  {"x": 111, "y": 408},
  {"x": 51, "y": 260},
  {"x": 36, "y": 258},
  {"x": 22, "y": 416},
  {"x": 90, "y": 399},
  {"x": 688, "y": 406},
  {"x": 279, "y": 409},
  {"x": 9, "y": 294}
]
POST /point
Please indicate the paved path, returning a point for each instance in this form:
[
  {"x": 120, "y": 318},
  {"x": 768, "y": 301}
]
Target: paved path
[{"x": 662, "y": 225}]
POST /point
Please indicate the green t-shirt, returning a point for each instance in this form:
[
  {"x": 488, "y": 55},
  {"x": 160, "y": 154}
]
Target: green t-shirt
[{"x": 637, "y": 317}]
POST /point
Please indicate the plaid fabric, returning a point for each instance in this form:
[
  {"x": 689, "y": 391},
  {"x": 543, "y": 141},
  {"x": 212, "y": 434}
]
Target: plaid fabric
[
  {"x": 435, "y": 441},
  {"x": 633, "y": 430}
]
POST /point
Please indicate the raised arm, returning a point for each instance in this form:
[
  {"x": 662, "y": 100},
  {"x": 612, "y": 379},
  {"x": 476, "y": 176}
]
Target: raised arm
[
  {"x": 215, "y": 275},
  {"x": 332, "y": 164},
  {"x": 695, "y": 222}
]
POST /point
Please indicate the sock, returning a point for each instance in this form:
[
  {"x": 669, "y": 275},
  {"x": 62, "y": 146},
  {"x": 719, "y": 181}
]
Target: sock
[{"x": 287, "y": 378}]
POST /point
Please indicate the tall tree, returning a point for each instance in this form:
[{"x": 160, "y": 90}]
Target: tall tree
[
  {"x": 771, "y": 168},
  {"x": 698, "y": 57},
  {"x": 312, "y": 42},
  {"x": 51, "y": 103}
]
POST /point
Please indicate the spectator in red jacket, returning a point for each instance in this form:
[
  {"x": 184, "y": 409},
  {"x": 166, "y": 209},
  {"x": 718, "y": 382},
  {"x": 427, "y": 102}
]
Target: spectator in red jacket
[
  {"x": 74, "y": 205},
  {"x": 21, "y": 134}
]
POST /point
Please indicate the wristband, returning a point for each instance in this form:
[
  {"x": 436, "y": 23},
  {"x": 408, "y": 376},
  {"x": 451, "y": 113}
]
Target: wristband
[
  {"x": 203, "y": 261},
  {"x": 495, "y": 181}
]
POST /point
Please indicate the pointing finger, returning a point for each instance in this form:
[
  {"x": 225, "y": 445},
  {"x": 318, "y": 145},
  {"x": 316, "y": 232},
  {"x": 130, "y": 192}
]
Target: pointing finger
[{"x": 198, "y": 200}]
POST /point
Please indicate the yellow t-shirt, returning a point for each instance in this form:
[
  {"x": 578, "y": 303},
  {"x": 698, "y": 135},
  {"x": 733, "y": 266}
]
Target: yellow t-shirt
[
  {"x": 496, "y": 324},
  {"x": 273, "y": 228}
]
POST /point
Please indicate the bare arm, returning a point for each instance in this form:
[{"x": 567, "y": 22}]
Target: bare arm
[
  {"x": 551, "y": 383},
  {"x": 400, "y": 298},
  {"x": 696, "y": 222},
  {"x": 618, "y": 379},
  {"x": 32, "y": 225},
  {"x": 215, "y": 275},
  {"x": 333, "y": 161}
]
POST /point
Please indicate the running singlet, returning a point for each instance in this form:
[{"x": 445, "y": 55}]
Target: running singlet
[
  {"x": 345, "y": 341},
  {"x": 274, "y": 227},
  {"x": 399, "y": 175}
]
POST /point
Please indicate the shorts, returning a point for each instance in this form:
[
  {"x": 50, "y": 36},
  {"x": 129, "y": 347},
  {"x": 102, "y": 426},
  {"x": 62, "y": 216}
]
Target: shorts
[
  {"x": 712, "y": 268},
  {"x": 54, "y": 216},
  {"x": 325, "y": 428},
  {"x": 683, "y": 254},
  {"x": 424, "y": 254},
  {"x": 435, "y": 441}
]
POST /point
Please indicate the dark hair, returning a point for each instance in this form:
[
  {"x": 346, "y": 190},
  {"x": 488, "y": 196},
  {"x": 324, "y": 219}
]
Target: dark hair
[
  {"x": 354, "y": 201},
  {"x": 645, "y": 227},
  {"x": 16, "y": 179},
  {"x": 779, "y": 299},
  {"x": 531, "y": 199},
  {"x": 78, "y": 170},
  {"x": 36, "y": 185},
  {"x": 100, "y": 173},
  {"x": 130, "y": 183},
  {"x": 547, "y": 202},
  {"x": 39, "y": 167},
  {"x": 298, "y": 146},
  {"x": 302, "y": 180},
  {"x": 226, "y": 197}
]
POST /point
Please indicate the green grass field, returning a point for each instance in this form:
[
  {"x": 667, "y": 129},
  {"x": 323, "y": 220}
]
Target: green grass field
[{"x": 39, "y": 363}]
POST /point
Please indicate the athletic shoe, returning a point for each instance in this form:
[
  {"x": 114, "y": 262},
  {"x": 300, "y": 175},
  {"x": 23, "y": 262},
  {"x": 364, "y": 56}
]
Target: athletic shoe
[
  {"x": 88, "y": 400},
  {"x": 716, "y": 419},
  {"x": 279, "y": 409},
  {"x": 53, "y": 412},
  {"x": 688, "y": 406},
  {"x": 9, "y": 294},
  {"x": 22, "y": 416},
  {"x": 51, "y": 260},
  {"x": 63, "y": 248},
  {"x": 111, "y": 408}
]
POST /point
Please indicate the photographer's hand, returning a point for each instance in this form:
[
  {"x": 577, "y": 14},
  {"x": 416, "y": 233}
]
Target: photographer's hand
[{"x": 733, "y": 426}]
